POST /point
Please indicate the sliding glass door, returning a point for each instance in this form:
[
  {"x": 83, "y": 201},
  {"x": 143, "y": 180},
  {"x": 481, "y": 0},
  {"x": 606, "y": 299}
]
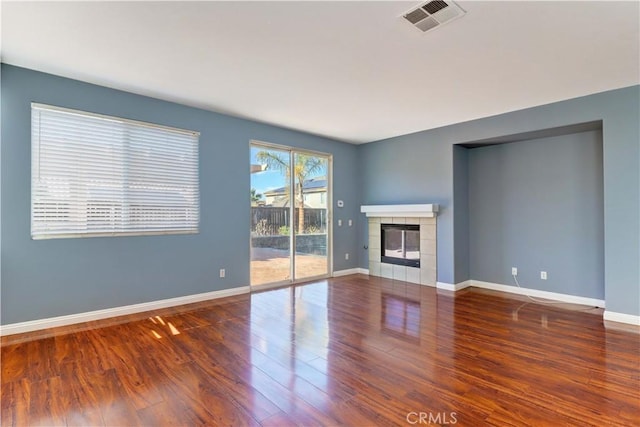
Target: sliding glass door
[
  {"x": 270, "y": 216},
  {"x": 310, "y": 181},
  {"x": 290, "y": 211}
]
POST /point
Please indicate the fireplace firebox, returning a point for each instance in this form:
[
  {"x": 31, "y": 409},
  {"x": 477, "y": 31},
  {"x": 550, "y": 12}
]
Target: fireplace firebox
[{"x": 400, "y": 244}]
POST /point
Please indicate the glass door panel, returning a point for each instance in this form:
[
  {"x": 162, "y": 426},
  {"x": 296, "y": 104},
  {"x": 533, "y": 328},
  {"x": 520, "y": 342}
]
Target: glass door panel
[
  {"x": 270, "y": 216},
  {"x": 310, "y": 189},
  {"x": 290, "y": 209}
]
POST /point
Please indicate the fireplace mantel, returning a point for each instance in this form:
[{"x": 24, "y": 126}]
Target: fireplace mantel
[{"x": 427, "y": 210}]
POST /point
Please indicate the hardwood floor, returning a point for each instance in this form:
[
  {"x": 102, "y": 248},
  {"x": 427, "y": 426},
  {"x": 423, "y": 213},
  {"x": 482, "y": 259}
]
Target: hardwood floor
[{"x": 348, "y": 351}]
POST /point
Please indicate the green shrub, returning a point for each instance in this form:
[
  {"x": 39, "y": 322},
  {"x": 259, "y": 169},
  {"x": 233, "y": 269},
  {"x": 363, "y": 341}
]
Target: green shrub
[{"x": 284, "y": 230}]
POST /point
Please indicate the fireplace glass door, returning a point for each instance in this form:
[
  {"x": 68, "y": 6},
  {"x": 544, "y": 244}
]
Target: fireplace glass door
[{"x": 400, "y": 244}]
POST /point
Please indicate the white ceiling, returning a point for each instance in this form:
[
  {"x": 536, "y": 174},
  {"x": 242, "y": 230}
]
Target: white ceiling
[{"x": 353, "y": 71}]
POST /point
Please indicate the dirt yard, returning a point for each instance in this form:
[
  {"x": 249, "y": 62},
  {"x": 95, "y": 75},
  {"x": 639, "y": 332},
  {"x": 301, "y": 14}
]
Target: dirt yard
[{"x": 272, "y": 265}]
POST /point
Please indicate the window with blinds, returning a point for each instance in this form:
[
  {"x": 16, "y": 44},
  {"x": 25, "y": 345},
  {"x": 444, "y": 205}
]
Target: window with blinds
[{"x": 94, "y": 175}]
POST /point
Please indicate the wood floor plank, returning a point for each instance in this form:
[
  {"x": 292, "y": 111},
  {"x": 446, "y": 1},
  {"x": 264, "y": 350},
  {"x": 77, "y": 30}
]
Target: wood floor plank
[
  {"x": 138, "y": 384},
  {"x": 161, "y": 414},
  {"x": 279, "y": 419},
  {"x": 290, "y": 401},
  {"x": 82, "y": 404},
  {"x": 196, "y": 390},
  {"x": 115, "y": 405},
  {"x": 65, "y": 349},
  {"x": 15, "y": 364},
  {"x": 16, "y": 401},
  {"x": 243, "y": 394},
  {"x": 47, "y": 407},
  {"x": 354, "y": 350}
]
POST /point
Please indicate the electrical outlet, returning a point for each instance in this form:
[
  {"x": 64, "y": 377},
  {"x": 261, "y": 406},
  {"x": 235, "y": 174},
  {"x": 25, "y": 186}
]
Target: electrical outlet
[
  {"x": 339, "y": 223},
  {"x": 514, "y": 271},
  {"x": 543, "y": 275},
  {"x": 222, "y": 272},
  {"x": 350, "y": 223},
  {"x": 346, "y": 256}
]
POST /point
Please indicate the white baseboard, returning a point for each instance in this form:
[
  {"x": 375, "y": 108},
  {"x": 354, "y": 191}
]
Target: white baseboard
[
  {"x": 573, "y": 299},
  {"x": 621, "y": 318},
  {"x": 453, "y": 287},
  {"x": 350, "y": 271},
  {"x": 52, "y": 322}
]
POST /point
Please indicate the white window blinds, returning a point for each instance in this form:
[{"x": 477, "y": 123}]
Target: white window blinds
[{"x": 94, "y": 175}]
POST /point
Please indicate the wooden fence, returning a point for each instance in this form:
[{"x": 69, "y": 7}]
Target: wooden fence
[{"x": 272, "y": 221}]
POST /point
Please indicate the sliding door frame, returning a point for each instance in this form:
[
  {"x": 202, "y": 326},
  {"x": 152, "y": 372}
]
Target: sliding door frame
[{"x": 292, "y": 234}]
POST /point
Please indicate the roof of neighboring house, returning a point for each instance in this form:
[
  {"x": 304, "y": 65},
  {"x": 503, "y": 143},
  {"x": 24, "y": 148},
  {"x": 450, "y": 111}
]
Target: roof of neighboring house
[
  {"x": 284, "y": 202},
  {"x": 312, "y": 185}
]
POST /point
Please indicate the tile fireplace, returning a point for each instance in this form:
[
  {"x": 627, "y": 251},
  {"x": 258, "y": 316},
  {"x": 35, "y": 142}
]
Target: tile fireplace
[{"x": 407, "y": 251}]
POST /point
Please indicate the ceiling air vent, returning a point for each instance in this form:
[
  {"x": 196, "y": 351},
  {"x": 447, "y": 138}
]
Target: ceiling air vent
[{"x": 430, "y": 15}]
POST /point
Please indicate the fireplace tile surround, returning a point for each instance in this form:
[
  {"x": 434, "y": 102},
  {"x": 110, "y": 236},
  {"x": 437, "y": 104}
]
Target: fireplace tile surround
[
  {"x": 426, "y": 274},
  {"x": 423, "y": 215}
]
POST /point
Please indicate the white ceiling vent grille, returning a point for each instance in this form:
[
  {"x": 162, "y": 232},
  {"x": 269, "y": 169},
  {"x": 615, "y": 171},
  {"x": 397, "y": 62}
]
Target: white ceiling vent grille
[{"x": 433, "y": 14}]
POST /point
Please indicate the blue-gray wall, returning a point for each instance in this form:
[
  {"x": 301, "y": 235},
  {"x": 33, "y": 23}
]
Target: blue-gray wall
[
  {"x": 538, "y": 205},
  {"x": 48, "y": 278},
  {"x": 461, "y": 235},
  {"x": 42, "y": 279},
  {"x": 418, "y": 168},
  {"x": 407, "y": 170}
]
